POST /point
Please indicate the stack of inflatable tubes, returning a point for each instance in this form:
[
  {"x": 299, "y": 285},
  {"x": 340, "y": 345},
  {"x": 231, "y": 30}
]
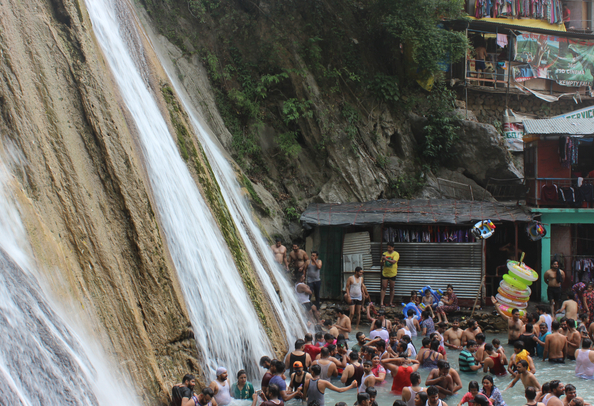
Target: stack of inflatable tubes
[{"x": 514, "y": 291}]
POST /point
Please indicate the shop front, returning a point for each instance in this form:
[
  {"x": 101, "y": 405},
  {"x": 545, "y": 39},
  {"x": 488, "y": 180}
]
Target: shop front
[
  {"x": 433, "y": 238},
  {"x": 569, "y": 240}
]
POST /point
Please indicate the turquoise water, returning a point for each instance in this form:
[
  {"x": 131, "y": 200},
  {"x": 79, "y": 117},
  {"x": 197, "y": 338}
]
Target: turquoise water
[{"x": 513, "y": 397}]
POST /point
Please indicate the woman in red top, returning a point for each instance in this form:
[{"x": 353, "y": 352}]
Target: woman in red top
[{"x": 401, "y": 373}]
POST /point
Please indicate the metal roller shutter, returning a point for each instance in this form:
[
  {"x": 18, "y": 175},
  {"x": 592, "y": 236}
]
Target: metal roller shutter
[{"x": 434, "y": 264}]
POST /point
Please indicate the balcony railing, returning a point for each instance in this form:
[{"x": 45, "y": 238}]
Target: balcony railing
[
  {"x": 507, "y": 189},
  {"x": 534, "y": 191}
]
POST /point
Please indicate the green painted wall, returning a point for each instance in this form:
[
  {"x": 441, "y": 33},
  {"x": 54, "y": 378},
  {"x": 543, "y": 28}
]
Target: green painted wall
[
  {"x": 330, "y": 249},
  {"x": 558, "y": 216}
]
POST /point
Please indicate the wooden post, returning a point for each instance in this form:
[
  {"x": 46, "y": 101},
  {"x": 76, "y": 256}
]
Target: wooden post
[
  {"x": 516, "y": 240},
  {"x": 477, "y": 295}
]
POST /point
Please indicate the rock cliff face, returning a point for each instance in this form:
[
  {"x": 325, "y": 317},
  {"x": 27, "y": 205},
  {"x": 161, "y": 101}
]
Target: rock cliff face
[
  {"x": 85, "y": 200},
  {"x": 306, "y": 99}
]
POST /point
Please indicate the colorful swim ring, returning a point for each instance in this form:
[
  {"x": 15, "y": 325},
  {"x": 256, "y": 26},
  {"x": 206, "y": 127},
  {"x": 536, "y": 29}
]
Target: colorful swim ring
[
  {"x": 507, "y": 310},
  {"x": 510, "y": 297},
  {"x": 514, "y": 282},
  {"x": 515, "y": 292},
  {"x": 510, "y": 302},
  {"x": 522, "y": 271}
]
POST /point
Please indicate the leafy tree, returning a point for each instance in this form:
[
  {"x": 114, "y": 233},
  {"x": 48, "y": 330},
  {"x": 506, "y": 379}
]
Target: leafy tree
[{"x": 418, "y": 25}]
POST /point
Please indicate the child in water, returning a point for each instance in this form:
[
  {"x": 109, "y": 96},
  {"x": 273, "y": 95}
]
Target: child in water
[
  {"x": 473, "y": 390},
  {"x": 429, "y": 302}
]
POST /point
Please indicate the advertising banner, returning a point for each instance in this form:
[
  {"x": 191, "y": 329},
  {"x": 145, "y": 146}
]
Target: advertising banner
[
  {"x": 569, "y": 62},
  {"x": 513, "y": 131}
]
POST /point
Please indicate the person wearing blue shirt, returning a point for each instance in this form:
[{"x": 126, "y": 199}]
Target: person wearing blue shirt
[{"x": 540, "y": 341}]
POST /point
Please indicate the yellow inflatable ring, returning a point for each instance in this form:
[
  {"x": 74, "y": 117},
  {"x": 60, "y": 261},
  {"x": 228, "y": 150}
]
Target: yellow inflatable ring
[
  {"x": 521, "y": 271},
  {"x": 508, "y": 296},
  {"x": 515, "y": 282},
  {"x": 507, "y": 310},
  {"x": 511, "y": 303},
  {"x": 513, "y": 291}
]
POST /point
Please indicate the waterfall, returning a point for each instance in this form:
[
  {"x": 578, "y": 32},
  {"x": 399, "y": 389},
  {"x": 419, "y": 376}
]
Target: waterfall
[
  {"x": 289, "y": 310},
  {"x": 43, "y": 361},
  {"x": 226, "y": 327}
]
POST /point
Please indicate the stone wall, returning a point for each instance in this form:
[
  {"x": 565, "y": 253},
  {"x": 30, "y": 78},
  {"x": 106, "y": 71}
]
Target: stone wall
[{"x": 489, "y": 107}]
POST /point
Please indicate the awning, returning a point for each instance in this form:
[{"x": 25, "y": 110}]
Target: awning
[
  {"x": 521, "y": 23},
  {"x": 419, "y": 211}
]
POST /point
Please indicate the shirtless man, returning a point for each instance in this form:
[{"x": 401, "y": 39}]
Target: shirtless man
[
  {"x": 343, "y": 323},
  {"x": 441, "y": 379},
  {"x": 571, "y": 394},
  {"x": 297, "y": 259},
  {"x": 480, "y": 347},
  {"x": 471, "y": 332},
  {"x": 527, "y": 377},
  {"x": 480, "y": 51},
  {"x": 570, "y": 307},
  {"x": 574, "y": 339},
  {"x": 453, "y": 336},
  {"x": 280, "y": 254},
  {"x": 515, "y": 327},
  {"x": 555, "y": 347},
  {"x": 554, "y": 277}
]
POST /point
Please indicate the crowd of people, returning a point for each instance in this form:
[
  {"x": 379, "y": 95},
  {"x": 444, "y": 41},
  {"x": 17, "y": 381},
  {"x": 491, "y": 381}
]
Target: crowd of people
[{"x": 324, "y": 362}]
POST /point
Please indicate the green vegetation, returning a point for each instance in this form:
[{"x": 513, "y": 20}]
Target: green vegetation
[
  {"x": 441, "y": 129},
  {"x": 421, "y": 30}
]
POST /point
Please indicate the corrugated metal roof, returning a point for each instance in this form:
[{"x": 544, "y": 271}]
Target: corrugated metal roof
[
  {"x": 559, "y": 126},
  {"x": 419, "y": 211}
]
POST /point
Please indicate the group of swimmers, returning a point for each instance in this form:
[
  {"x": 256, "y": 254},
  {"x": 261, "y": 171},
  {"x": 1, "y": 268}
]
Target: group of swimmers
[{"x": 319, "y": 361}]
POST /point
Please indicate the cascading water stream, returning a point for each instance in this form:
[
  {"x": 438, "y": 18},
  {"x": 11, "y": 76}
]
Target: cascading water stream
[
  {"x": 226, "y": 326},
  {"x": 42, "y": 360},
  {"x": 289, "y": 310}
]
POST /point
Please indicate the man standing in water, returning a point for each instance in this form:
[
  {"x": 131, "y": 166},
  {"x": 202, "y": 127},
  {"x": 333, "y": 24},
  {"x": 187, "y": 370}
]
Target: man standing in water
[
  {"x": 343, "y": 323},
  {"x": 389, "y": 263},
  {"x": 453, "y": 336},
  {"x": 515, "y": 326},
  {"x": 297, "y": 259},
  {"x": 555, "y": 345},
  {"x": 313, "y": 267},
  {"x": 554, "y": 277},
  {"x": 220, "y": 387},
  {"x": 280, "y": 254},
  {"x": 183, "y": 392},
  {"x": 354, "y": 294},
  {"x": 557, "y": 390},
  {"x": 471, "y": 332},
  {"x": 303, "y": 294},
  {"x": 315, "y": 388}
]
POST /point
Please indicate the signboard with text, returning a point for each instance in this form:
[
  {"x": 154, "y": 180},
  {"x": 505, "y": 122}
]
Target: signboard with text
[{"x": 567, "y": 61}]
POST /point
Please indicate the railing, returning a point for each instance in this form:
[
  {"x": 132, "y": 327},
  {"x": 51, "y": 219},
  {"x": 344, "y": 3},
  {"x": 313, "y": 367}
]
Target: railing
[
  {"x": 506, "y": 189},
  {"x": 534, "y": 189},
  {"x": 495, "y": 76},
  {"x": 457, "y": 190}
]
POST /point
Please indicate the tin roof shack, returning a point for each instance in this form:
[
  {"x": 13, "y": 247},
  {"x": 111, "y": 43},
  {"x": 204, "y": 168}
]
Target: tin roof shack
[
  {"x": 559, "y": 171},
  {"x": 433, "y": 239}
]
